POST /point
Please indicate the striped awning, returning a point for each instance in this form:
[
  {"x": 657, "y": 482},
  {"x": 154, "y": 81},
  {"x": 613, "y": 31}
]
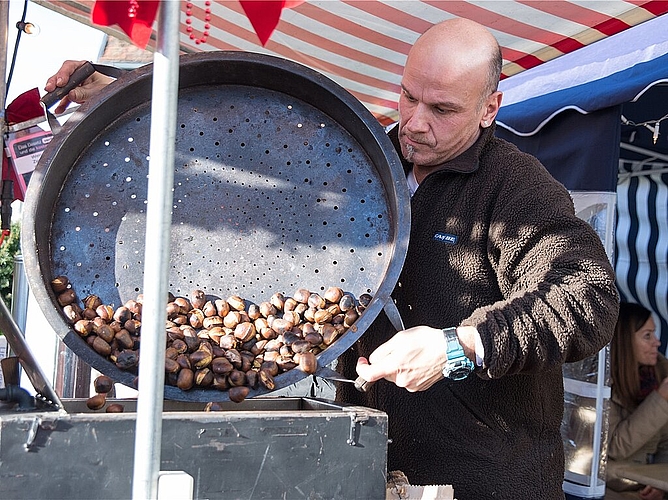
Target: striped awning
[
  {"x": 641, "y": 253},
  {"x": 362, "y": 44}
]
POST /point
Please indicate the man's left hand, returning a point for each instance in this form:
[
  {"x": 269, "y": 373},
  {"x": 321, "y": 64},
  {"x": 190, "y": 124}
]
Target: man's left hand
[{"x": 412, "y": 359}]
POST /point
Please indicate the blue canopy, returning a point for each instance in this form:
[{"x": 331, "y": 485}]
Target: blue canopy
[
  {"x": 567, "y": 111},
  {"x": 606, "y": 73}
]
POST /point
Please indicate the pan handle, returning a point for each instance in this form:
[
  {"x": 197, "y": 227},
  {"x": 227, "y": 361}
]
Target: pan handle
[
  {"x": 78, "y": 77},
  {"x": 393, "y": 314},
  {"x": 20, "y": 348}
]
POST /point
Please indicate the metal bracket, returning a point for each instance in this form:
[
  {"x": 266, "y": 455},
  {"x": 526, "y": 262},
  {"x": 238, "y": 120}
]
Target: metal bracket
[
  {"x": 32, "y": 433},
  {"x": 39, "y": 423},
  {"x": 356, "y": 421},
  {"x": 49, "y": 405}
]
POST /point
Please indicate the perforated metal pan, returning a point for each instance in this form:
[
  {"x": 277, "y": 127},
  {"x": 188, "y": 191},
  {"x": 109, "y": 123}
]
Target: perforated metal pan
[{"x": 282, "y": 180}]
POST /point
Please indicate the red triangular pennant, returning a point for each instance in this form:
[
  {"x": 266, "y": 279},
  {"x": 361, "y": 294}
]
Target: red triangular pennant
[
  {"x": 134, "y": 17},
  {"x": 265, "y": 14}
]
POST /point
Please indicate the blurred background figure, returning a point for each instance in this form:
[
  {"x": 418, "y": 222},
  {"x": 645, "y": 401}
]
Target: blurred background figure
[{"x": 638, "y": 432}]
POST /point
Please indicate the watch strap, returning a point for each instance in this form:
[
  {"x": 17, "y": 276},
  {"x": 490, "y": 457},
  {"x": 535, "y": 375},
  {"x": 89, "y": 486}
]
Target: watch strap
[
  {"x": 452, "y": 340},
  {"x": 457, "y": 365}
]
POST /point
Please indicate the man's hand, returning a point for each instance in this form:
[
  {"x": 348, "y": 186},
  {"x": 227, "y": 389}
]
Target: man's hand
[
  {"x": 412, "y": 359},
  {"x": 91, "y": 86}
]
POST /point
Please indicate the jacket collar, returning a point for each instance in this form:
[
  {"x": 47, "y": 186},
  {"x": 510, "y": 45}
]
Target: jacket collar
[{"x": 465, "y": 163}]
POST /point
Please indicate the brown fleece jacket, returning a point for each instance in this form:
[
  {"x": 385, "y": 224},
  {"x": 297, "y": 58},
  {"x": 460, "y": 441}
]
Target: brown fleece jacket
[{"x": 495, "y": 244}]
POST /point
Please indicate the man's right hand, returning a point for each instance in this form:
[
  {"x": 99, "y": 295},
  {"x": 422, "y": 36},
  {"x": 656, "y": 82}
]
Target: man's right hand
[
  {"x": 91, "y": 86},
  {"x": 411, "y": 359}
]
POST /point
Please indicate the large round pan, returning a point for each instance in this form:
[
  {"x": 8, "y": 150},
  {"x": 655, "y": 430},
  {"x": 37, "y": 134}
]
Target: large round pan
[{"x": 282, "y": 180}]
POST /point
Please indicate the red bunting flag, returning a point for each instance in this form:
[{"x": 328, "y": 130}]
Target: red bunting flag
[
  {"x": 265, "y": 14},
  {"x": 134, "y": 17}
]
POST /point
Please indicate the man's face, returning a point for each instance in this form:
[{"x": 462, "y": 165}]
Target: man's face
[{"x": 439, "y": 113}]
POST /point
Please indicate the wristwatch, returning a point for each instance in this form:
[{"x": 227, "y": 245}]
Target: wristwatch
[{"x": 458, "y": 366}]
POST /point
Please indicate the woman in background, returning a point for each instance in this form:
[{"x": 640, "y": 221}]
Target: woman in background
[{"x": 638, "y": 426}]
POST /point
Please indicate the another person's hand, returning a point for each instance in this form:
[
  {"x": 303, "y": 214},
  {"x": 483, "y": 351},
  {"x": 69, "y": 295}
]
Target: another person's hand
[
  {"x": 651, "y": 493},
  {"x": 663, "y": 389},
  {"x": 412, "y": 359},
  {"x": 91, "y": 86}
]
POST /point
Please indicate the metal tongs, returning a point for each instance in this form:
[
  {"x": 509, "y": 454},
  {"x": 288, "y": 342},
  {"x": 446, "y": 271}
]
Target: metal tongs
[
  {"x": 329, "y": 374},
  {"x": 390, "y": 309},
  {"x": 48, "y": 100}
]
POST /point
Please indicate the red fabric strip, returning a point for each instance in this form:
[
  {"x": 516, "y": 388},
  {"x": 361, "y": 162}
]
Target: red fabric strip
[
  {"x": 655, "y": 7},
  {"x": 497, "y": 22},
  {"x": 589, "y": 18}
]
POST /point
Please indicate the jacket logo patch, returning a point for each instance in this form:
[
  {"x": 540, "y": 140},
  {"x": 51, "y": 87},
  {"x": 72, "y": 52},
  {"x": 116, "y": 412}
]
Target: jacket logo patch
[{"x": 450, "y": 239}]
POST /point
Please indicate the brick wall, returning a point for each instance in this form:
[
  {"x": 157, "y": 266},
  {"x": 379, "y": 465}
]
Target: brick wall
[{"x": 124, "y": 54}]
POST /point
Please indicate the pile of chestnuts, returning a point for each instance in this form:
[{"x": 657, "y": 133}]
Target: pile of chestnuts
[
  {"x": 103, "y": 385},
  {"x": 228, "y": 344}
]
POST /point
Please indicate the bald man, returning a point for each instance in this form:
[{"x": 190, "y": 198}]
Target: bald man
[{"x": 501, "y": 285}]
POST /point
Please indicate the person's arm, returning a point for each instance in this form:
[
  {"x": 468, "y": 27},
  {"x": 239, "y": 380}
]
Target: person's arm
[
  {"x": 628, "y": 435},
  {"x": 560, "y": 300},
  {"x": 88, "y": 88},
  {"x": 651, "y": 493},
  {"x": 414, "y": 358}
]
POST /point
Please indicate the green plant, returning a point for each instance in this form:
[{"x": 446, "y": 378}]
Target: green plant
[{"x": 11, "y": 246}]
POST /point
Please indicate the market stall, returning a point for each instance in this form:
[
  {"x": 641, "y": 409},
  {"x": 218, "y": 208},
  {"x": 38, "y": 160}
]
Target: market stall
[
  {"x": 140, "y": 193},
  {"x": 112, "y": 142}
]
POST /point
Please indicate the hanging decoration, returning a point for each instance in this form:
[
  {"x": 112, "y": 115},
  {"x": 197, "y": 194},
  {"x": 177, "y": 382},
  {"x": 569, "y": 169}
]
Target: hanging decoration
[
  {"x": 136, "y": 17},
  {"x": 265, "y": 14},
  {"x": 651, "y": 125},
  {"x": 207, "y": 18}
]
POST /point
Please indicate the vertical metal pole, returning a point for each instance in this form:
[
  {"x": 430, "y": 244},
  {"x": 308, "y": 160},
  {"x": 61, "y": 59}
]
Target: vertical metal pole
[
  {"x": 601, "y": 396},
  {"x": 148, "y": 433},
  {"x": 20, "y": 291},
  {"x": 4, "y": 31}
]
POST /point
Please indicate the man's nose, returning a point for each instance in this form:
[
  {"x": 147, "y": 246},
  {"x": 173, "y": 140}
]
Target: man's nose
[{"x": 418, "y": 120}]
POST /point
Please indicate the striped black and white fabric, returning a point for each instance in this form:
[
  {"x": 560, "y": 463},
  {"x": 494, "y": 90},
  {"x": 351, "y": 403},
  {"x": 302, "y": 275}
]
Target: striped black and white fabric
[{"x": 641, "y": 252}]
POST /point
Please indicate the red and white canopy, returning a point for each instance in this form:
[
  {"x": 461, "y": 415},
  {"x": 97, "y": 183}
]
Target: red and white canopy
[{"x": 362, "y": 44}]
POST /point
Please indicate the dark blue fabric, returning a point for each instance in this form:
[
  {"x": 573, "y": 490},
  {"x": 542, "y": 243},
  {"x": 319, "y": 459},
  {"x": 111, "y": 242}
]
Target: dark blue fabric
[
  {"x": 652, "y": 105},
  {"x": 580, "y": 151}
]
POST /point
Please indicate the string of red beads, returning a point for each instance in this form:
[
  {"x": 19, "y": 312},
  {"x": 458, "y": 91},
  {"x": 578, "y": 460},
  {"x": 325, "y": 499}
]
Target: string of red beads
[
  {"x": 207, "y": 18},
  {"x": 133, "y": 8}
]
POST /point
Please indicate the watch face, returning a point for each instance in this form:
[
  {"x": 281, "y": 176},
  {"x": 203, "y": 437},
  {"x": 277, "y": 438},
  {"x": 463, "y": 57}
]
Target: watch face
[
  {"x": 459, "y": 373},
  {"x": 458, "y": 366},
  {"x": 458, "y": 369}
]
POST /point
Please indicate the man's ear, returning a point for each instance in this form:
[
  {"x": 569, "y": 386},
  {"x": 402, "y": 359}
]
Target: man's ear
[{"x": 491, "y": 108}]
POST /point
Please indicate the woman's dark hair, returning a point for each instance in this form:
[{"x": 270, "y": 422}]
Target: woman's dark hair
[{"x": 623, "y": 363}]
